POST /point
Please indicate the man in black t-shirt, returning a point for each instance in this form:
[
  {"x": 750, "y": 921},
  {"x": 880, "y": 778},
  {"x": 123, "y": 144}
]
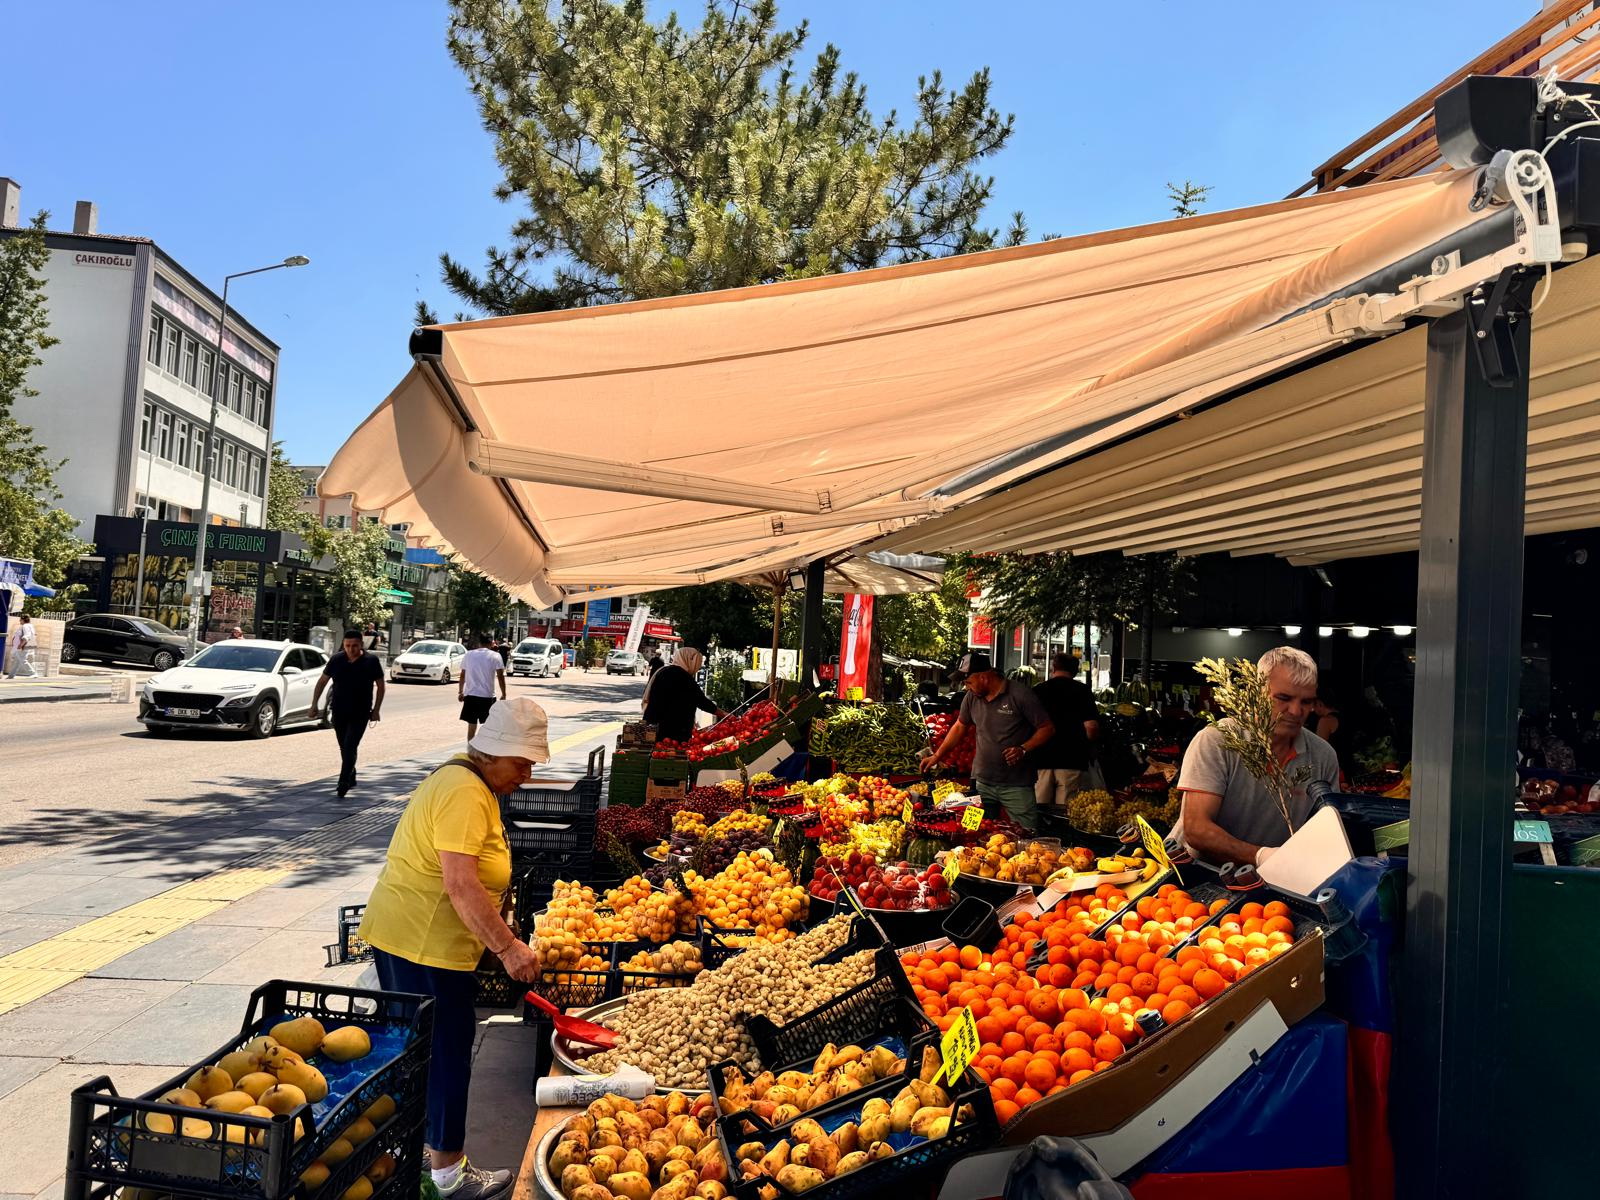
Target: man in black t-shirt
[
  {"x": 1064, "y": 758},
  {"x": 355, "y": 676}
]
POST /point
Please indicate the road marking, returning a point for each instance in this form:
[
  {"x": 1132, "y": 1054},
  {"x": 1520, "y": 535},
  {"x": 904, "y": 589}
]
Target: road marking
[{"x": 51, "y": 964}]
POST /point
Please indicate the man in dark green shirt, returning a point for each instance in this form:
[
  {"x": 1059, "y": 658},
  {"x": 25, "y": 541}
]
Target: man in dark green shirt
[{"x": 1009, "y": 723}]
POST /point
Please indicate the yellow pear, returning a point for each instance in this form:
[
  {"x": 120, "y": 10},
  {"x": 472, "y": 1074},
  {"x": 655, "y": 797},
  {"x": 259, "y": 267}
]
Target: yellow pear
[
  {"x": 158, "y": 1122},
  {"x": 338, "y": 1150},
  {"x": 258, "y": 1136},
  {"x": 181, "y": 1096},
  {"x": 302, "y": 1035},
  {"x": 240, "y": 1063},
  {"x": 210, "y": 1081},
  {"x": 274, "y": 1058},
  {"x": 194, "y": 1127},
  {"x": 281, "y": 1098},
  {"x": 307, "y": 1078},
  {"x": 257, "y": 1082},
  {"x": 382, "y": 1167},
  {"x": 361, "y": 1189},
  {"x": 380, "y": 1110},
  {"x": 359, "y": 1131},
  {"x": 347, "y": 1044},
  {"x": 315, "y": 1175},
  {"x": 232, "y": 1102},
  {"x": 259, "y": 1045}
]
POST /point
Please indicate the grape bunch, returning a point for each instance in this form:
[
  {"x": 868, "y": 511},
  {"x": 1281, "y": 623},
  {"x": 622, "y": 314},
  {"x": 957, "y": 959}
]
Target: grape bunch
[{"x": 719, "y": 851}]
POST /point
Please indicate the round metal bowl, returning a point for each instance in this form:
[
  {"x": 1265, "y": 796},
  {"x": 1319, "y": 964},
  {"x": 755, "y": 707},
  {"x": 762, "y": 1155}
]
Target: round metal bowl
[
  {"x": 548, "y": 1183},
  {"x": 567, "y": 1054}
]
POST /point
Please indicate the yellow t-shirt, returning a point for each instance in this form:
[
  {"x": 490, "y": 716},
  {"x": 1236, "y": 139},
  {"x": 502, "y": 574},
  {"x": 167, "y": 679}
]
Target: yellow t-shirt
[{"x": 409, "y": 913}]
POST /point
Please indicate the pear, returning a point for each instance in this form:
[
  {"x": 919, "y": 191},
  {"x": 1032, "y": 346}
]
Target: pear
[
  {"x": 282, "y": 1098},
  {"x": 361, "y": 1189},
  {"x": 315, "y": 1175},
  {"x": 240, "y": 1063},
  {"x": 307, "y": 1078},
  {"x": 380, "y": 1110},
  {"x": 194, "y": 1127},
  {"x": 181, "y": 1096},
  {"x": 210, "y": 1081},
  {"x": 347, "y": 1044},
  {"x": 275, "y": 1057},
  {"x": 381, "y": 1168},
  {"x": 257, "y": 1082},
  {"x": 258, "y": 1137},
  {"x": 359, "y": 1131},
  {"x": 338, "y": 1150},
  {"x": 303, "y": 1035},
  {"x": 232, "y": 1102},
  {"x": 157, "y": 1122},
  {"x": 259, "y": 1045}
]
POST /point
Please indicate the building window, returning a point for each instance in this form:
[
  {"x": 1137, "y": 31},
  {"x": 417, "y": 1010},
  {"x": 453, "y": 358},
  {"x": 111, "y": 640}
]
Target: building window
[
  {"x": 153, "y": 351},
  {"x": 247, "y": 398},
  {"x": 337, "y": 522},
  {"x": 174, "y": 344},
  {"x": 259, "y": 413},
  {"x": 164, "y": 435},
  {"x": 199, "y": 448},
  {"x": 182, "y": 443},
  {"x": 255, "y": 474},
  {"x": 145, "y": 421},
  {"x": 187, "y": 362},
  {"x": 206, "y": 364},
  {"x": 234, "y": 382},
  {"x": 227, "y": 463}
]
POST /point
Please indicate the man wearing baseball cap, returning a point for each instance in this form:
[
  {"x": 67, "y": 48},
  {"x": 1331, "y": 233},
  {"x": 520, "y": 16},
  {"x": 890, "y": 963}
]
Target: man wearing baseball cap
[
  {"x": 438, "y": 905},
  {"x": 1009, "y": 722}
]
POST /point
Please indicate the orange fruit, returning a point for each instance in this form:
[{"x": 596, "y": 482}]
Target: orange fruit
[
  {"x": 1079, "y": 1076},
  {"x": 1003, "y": 1088},
  {"x": 1042, "y": 1005},
  {"x": 1039, "y": 1075},
  {"x": 1013, "y": 1041},
  {"x": 971, "y": 956},
  {"x": 1076, "y": 1039},
  {"x": 1071, "y": 998},
  {"x": 1076, "y": 1059},
  {"x": 1189, "y": 954},
  {"x": 1118, "y": 992},
  {"x": 1005, "y": 1110},
  {"x": 1174, "y": 1011},
  {"x": 1252, "y": 909},
  {"x": 1143, "y": 983},
  {"x": 1277, "y": 925},
  {"x": 1209, "y": 983},
  {"x": 990, "y": 1030},
  {"x": 1107, "y": 1047},
  {"x": 1185, "y": 994},
  {"x": 1087, "y": 1019},
  {"x": 1028, "y": 1096},
  {"x": 1275, "y": 908}
]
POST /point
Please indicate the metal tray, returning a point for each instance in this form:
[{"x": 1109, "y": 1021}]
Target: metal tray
[
  {"x": 549, "y": 1185},
  {"x": 563, "y": 1049}
]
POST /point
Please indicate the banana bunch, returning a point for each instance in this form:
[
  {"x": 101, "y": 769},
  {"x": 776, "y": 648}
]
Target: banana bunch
[{"x": 1116, "y": 864}]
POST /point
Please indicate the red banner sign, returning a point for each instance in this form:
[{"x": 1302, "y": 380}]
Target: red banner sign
[
  {"x": 980, "y": 633},
  {"x": 854, "y": 645},
  {"x": 1016, "y": 638}
]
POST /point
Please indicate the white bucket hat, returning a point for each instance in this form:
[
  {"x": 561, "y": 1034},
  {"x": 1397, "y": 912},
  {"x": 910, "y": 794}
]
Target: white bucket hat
[{"x": 515, "y": 729}]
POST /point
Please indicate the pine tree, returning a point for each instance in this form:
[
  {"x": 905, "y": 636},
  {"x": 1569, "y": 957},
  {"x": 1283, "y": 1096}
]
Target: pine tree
[
  {"x": 31, "y": 526},
  {"x": 1187, "y": 197},
  {"x": 656, "y": 159}
]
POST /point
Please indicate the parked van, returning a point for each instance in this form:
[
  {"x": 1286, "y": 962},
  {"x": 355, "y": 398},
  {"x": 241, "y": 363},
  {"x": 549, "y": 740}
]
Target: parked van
[{"x": 537, "y": 656}]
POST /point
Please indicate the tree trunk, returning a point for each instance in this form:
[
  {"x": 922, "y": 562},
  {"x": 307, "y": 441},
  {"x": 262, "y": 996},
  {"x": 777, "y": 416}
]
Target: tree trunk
[{"x": 1119, "y": 650}]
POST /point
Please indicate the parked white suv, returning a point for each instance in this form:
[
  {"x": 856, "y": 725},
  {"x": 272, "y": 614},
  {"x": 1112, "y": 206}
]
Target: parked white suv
[
  {"x": 538, "y": 656},
  {"x": 241, "y": 684}
]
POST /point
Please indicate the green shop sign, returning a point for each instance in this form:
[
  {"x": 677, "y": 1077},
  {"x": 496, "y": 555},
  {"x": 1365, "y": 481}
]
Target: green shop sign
[
  {"x": 127, "y": 535},
  {"x": 220, "y": 538}
]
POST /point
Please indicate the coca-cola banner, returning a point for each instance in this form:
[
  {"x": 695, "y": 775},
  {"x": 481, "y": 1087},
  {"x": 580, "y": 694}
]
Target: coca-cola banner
[{"x": 853, "y": 646}]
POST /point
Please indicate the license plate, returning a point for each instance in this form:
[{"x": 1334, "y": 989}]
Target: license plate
[
  {"x": 183, "y": 712},
  {"x": 408, "y": 667}
]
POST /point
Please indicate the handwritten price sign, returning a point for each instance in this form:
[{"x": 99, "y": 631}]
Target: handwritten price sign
[
  {"x": 972, "y": 817},
  {"x": 958, "y": 1047},
  {"x": 1153, "y": 842}
]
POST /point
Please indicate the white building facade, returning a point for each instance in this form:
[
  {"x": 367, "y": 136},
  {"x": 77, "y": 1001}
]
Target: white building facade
[{"x": 125, "y": 394}]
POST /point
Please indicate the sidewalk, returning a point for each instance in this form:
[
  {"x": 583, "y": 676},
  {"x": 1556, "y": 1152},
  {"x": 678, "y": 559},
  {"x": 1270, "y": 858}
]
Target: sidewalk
[
  {"x": 134, "y": 957},
  {"x": 109, "y": 686}
]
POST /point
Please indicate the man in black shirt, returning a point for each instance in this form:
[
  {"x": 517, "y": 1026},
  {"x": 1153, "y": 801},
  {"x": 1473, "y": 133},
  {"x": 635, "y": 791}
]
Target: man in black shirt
[
  {"x": 354, "y": 674},
  {"x": 1063, "y": 759}
]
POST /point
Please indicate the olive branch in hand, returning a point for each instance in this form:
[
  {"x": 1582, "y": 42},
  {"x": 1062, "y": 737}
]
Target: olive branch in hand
[{"x": 1241, "y": 692}]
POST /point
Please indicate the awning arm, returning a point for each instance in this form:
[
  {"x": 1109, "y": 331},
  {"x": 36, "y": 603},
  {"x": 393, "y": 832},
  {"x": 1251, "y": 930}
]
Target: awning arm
[{"x": 502, "y": 460}]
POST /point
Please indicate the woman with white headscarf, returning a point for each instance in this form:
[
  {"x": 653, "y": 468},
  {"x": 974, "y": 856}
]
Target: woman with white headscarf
[{"x": 672, "y": 696}]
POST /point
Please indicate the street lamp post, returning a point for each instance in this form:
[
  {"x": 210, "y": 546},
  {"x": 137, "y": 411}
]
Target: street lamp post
[{"x": 196, "y": 596}]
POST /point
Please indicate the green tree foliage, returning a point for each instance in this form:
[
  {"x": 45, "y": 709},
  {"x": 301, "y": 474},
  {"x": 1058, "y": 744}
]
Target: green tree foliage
[
  {"x": 1187, "y": 197},
  {"x": 285, "y": 486},
  {"x": 478, "y": 604},
  {"x": 926, "y": 625},
  {"x": 31, "y": 526},
  {"x": 656, "y": 159},
  {"x": 730, "y": 614},
  {"x": 358, "y": 576}
]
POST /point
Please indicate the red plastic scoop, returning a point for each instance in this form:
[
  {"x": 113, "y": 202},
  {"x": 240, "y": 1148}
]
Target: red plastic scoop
[{"x": 574, "y": 1029}]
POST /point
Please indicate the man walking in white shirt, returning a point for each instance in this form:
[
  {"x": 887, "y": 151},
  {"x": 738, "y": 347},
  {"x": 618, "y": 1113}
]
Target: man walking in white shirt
[
  {"x": 480, "y": 670},
  {"x": 21, "y": 642}
]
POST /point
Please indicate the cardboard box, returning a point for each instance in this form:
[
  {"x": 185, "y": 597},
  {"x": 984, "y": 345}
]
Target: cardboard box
[
  {"x": 1292, "y": 983},
  {"x": 635, "y": 734},
  {"x": 677, "y": 791}
]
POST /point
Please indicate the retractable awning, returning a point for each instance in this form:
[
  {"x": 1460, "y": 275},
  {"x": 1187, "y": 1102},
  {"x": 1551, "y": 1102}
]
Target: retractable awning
[{"x": 751, "y": 429}]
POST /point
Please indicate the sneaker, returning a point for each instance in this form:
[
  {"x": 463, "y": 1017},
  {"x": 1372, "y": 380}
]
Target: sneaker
[{"x": 478, "y": 1184}]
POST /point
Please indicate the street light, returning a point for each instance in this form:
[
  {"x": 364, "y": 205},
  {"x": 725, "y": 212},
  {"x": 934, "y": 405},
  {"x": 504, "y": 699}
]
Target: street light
[{"x": 196, "y": 583}]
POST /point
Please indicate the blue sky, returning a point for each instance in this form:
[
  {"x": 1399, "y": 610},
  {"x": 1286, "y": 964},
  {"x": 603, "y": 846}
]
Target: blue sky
[{"x": 237, "y": 133}]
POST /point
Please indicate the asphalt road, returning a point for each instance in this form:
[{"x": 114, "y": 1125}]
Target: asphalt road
[{"x": 78, "y": 771}]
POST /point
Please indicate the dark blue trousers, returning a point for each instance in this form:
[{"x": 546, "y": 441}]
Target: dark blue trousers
[{"x": 455, "y": 1023}]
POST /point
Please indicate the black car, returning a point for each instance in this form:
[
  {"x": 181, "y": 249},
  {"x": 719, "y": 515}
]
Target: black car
[{"x": 109, "y": 637}]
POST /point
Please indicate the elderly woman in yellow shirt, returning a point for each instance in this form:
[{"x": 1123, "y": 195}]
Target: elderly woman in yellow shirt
[{"x": 437, "y": 905}]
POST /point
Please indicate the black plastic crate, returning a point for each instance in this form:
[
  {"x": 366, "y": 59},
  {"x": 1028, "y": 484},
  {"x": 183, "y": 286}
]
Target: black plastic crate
[
  {"x": 627, "y": 980},
  {"x": 549, "y": 835},
  {"x": 550, "y": 799},
  {"x": 914, "y": 1168},
  {"x": 862, "y": 1016},
  {"x": 715, "y": 948},
  {"x": 973, "y": 922},
  {"x": 119, "y": 1141},
  {"x": 350, "y": 947}
]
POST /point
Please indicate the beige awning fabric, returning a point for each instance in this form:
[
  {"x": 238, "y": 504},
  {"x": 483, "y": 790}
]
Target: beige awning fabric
[
  {"x": 1324, "y": 464},
  {"x": 714, "y": 436}
]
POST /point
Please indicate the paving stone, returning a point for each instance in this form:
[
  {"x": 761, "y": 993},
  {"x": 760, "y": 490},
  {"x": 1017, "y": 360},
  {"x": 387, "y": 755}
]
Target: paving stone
[
  {"x": 14, "y": 1072},
  {"x": 184, "y": 954},
  {"x": 18, "y": 930},
  {"x": 500, "y": 1108},
  {"x": 282, "y": 954},
  {"x": 68, "y": 1019},
  {"x": 16, "y": 894},
  {"x": 98, "y": 896},
  {"x": 41, "y": 1108},
  {"x": 190, "y": 1023},
  {"x": 275, "y": 907}
]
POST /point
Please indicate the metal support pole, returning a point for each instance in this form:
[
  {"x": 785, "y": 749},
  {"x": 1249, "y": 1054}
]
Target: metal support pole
[
  {"x": 811, "y": 631},
  {"x": 138, "y": 586},
  {"x": 1469, "y": 621},
  {"x": 196, "y": 597}
]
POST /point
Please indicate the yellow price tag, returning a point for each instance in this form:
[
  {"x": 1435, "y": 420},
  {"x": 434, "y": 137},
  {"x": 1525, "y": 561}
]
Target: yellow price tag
[
  {"x": 958, "y": 1047},
  {"x": 854, "y": 901},
  {"x": 972, "y": 817},
  {"x": 857, "y": 693},
  {"x": 777, "y": 830},
  {"x": 1153, "y": 842},
  {"x": 952, "y": 866},
  {"x": 906, "y": 813}
]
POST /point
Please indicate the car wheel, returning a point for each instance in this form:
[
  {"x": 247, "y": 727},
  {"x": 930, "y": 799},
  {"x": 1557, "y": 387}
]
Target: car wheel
[
  {"x": 69, "y": 652},
  {"x": 444, "y": 675},
  {"x": 264, "y": 720},
  {"x": 164, "y": 660}
]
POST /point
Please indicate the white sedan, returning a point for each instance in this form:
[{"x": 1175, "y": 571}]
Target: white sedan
[
  {"x": 436, "y": 660},
  {"x": 243, "y": 684}
]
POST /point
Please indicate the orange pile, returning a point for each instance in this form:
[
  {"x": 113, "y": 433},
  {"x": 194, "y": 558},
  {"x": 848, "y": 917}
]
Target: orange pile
[{"x": 1043, "y": 1032}]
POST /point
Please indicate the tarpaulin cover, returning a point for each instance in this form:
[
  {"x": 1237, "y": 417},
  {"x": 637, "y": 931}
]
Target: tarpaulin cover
[
  {"x": 1287, "y": 1114},
  {"x": 751, "y": 428}
]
